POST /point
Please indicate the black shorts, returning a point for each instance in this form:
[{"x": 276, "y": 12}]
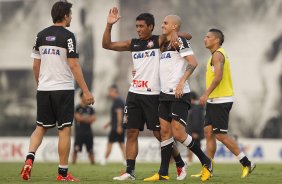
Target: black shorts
[
  {"x": 115, "y": 137},
  {"x": 82, "y": 139},
  {"x": 176, "y": 110},
  {"x": 217, "y": 115},
  {"x": 55, "y": 107},
  {"x": 141, "y": 109}
]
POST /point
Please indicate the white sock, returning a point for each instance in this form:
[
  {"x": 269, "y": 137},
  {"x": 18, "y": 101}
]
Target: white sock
[
  {"x": 167, "y": 142},
  {"x": 241, "y": 155},
  {"x": 63, "y": 166},
  {"x": 187, "y": 141}
]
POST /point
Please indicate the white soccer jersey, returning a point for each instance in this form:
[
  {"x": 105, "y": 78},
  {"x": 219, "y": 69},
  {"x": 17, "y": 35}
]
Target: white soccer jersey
[
  {"x": 53, "y": 46},
  {"x": 145, "y": 56},
  {"x": 173, "y": 66}
]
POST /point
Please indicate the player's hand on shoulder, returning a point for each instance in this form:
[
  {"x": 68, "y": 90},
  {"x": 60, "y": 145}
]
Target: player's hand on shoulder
[{"x": 174, "y": 41}]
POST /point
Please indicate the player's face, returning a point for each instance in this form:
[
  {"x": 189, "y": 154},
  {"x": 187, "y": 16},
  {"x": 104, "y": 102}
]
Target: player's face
[
  {"x": 111, "y": 92},
  {"x": 68, "y": 19},
  {"x": 167, "y": 26},
  {"x": 210, "y": 40},
  {"x": 143, "y": 30}
]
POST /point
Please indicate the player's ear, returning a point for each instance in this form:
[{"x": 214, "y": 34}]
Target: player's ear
[{"x": 151, "y": 27}]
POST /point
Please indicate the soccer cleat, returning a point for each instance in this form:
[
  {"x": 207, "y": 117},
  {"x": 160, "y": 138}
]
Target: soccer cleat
[
  {"x": 181, "y": 172},
  {"x": 196, "y": 175},
  {"x": 200, "y": 174},
  {"x": 248, "y": 170},
  {"x": 26, "y": 170},
  {"x": 157, "y": 177},
  {"x": 124, "y": 176},
  {"x": 207, "y": 171},
  {"x": 69, "y": 177}
]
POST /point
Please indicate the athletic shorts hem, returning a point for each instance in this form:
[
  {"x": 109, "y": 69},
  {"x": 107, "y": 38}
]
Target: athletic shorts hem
[{"x": 45, "y": 126}]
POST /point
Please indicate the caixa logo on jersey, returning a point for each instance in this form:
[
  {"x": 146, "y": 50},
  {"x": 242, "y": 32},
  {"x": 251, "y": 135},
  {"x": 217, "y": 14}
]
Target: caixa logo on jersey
[
  {"x": 70, "y": 45},
  {"x": 165, "y": 55},
  {"x": 145, "y": 54},
  {"x": 50, "y": 51},
  {"x": 140, "y": 84}
]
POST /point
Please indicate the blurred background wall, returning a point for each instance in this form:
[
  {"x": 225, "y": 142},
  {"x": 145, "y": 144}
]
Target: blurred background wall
[{"x": 253, "y": 40}]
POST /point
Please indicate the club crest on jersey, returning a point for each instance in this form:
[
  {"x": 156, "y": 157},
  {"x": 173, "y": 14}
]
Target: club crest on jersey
[
  {"x": 150, "y": 44},
  {"x": 165, "y": 55},
  {"x": 145, "y": 54},
  {"x": 50, "y": 51},
  {"x": 50, "y": 38}
]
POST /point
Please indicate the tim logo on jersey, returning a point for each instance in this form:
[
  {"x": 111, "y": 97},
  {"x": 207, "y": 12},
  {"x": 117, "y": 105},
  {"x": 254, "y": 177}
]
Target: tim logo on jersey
[
  {"x": 140, "y": 84},
  {"x": 145, "y": 54}
]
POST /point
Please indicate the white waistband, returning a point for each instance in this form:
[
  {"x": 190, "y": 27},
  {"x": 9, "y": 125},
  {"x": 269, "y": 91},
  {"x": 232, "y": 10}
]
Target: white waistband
[{"x": 221, "y": 100}]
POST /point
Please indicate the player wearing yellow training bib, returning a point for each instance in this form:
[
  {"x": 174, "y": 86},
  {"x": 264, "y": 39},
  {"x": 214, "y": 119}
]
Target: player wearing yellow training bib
[{"x": 219, "y": 99}]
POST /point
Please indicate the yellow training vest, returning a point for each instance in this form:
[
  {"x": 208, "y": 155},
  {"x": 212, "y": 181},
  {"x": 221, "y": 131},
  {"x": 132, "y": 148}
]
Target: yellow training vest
[{"x": 225, "y": 87}]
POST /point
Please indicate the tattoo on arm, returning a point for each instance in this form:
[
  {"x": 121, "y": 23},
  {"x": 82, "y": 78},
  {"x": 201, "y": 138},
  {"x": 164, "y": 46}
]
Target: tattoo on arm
[{"x": 190, "y": 68}]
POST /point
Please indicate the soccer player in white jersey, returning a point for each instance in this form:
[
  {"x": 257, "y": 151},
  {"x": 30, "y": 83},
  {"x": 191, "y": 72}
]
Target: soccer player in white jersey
[
  {"x": 143, "y": 96},
  {"x": 55, "y": 67},
  {"x": 176, "y": 67}
]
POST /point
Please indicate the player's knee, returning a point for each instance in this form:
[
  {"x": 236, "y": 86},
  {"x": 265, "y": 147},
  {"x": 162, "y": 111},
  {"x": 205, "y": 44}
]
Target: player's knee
[
  {"x": 157, "y": 135},
  {"x": 132, "y": 134},
  {"x": 179, "y": 134},
  {"x": 221, "y": 137},
  {"x": 208, "y": 134}
]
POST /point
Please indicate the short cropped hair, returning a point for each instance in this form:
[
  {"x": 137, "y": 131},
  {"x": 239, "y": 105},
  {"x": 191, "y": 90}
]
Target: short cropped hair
[
  {"x": 148, "y": 18},
  {"x": 219, "y": 34},
  {"x": 59, "y": 10},
  {"x": 114, "y": 86}
]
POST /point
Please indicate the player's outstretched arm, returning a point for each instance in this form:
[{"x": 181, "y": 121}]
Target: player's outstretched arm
[
  {"x": 174, "y": 42},
  {"x": 107, "y": 43}
]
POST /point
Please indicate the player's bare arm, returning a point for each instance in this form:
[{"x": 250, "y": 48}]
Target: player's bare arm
[
  {"x": 107, "y": 43},
  {"x": 91, "y": 119},
  {"x": 119, "y": 120},
  {"x": 192, "y": 64},
  {"x": 88, "y": 119},
  {"x": 77, "y": 73},
  {"x": 174, "y": 41},
  {"x": 36, "y": 69},
  {"x": 218, "y": 64}
]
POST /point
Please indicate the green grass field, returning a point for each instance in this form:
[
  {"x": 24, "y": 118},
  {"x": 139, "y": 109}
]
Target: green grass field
[{"x": 224, "y": 173}]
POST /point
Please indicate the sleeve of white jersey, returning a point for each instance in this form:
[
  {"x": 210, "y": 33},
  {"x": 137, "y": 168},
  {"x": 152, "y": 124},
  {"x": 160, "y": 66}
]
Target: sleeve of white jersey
[
  {"x": 185, "y": 48},
  {"x": 35, "y": 50}
]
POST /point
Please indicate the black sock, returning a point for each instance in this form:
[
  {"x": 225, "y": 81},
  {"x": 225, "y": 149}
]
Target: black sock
[
  {"x": 178, "y": 161},
  {"x": 166, "y": 152},
  {"x": 245, "y": 161},
  {"x": 31, "y": 156},
  {"x": 63, "y": 171},
  {"x": 130, "y": 166},
  {"x": 195, "y": 148}
]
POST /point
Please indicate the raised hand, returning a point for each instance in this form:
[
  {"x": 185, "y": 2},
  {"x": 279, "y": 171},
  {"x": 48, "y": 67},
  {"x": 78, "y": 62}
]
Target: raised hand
[{"x": 113, "y": 16}]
